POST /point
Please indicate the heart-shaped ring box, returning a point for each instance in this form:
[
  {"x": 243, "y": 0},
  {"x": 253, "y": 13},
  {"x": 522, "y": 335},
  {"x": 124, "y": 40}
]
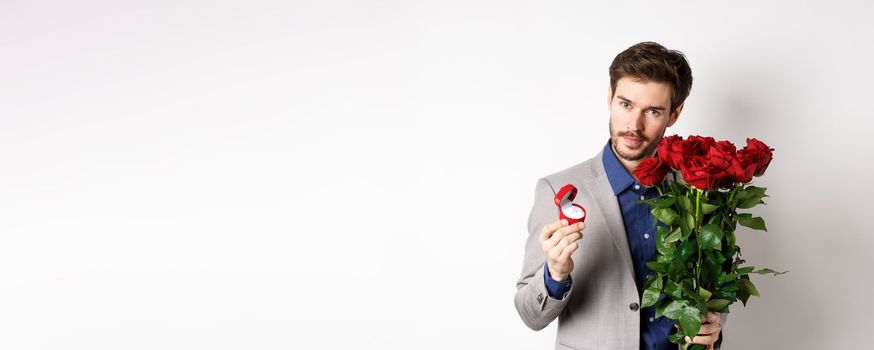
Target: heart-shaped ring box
[{"x": 567, "y": 209}]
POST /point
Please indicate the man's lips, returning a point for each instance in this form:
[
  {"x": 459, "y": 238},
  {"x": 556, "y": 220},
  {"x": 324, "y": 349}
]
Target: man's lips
[{"x": 632, "y": 141}]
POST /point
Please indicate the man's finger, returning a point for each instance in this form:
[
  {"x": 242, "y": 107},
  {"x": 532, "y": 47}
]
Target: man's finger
[
  {"x": 713, "y": 317},
  {"x": 556, "y": 250},
  {"x": 709, "y": 329},
  {"x": 567, "y": 230},
  {"x": 573, "y": 237},
  {"x": 557, "y": 225},
  {"x": 706, "y": 340},
  {"x": 554, "y": 239},
  {"x": 567, "y": 251},
  {"x": 571, "y": 228},
  {"x": 710, "y": 317},
  {"x": 549, "y": 229},
  {"x": 561, "y": 233}
]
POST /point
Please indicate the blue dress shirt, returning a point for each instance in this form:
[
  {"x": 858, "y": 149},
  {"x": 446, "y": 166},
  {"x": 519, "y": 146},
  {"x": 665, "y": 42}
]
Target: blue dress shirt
[{"x": 641, "y": 242}]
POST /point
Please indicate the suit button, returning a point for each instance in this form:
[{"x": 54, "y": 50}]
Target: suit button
[
  {"x": 540, "y": 298},
  {"x": 634, "y": 306}
]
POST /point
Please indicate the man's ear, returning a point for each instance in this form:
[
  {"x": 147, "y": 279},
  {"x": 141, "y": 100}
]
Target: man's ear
[
  {"x": 609, "y": 96},
  {"x": 676, "y": 114}
]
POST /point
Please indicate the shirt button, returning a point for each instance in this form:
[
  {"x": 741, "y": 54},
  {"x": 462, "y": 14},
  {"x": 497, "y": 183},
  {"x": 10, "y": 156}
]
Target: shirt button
[
  {"x": 636, "y": 187},
  {"x": 646, "y": 235},
  {"x": 651, "y": 319},
  {"x": 634, "y": 306},
  {"x": 642, "y": 197}
]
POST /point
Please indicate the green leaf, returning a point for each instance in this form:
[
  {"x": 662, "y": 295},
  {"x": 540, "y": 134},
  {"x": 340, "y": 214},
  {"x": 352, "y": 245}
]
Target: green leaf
[
  {"x": 685, "y": 250},
  {"x": 678, "y": 188},
  {"x": 725, "y": 278},
  {"x": 715, "y": 219},
  {"x": 717, "y": 305},
  {"x": 675, "y": 308},
  {"x": 755, "y": 191},
  {"x": 749, "y": 192},
  {"x": 688, "y": 292},
  {"x": 687, "y": 224},
  {"x": 745, "y": 270},
  {"x": 748, "y": 286},
  {"x": 677, "y": 268},
  {"x": 767, "y": 271},
  {"x": 665, "y": 202},
  {"x": 658, "y": 202},
  {"x": 665, "y": 215},
  {"x": 655, "y": 282},
  {"x": 673, "y": 289},
  {"x": 743, "y": 296},
  {"x": 715, "y": 256},
  {"x": 720, "y": 294},
  {"x": 674, "y": 236},
  {"x": 755, "y": 223},
  {"x": 650, "y": 297},
  {"x": 661, "y": 305},
  {"x": 663, "y": 247},
  {"x": 730, "y": 239},
  {"x": 749, "y": 203},
  {"x": 685, "y": 203},
  {"x": 690, "y": 320},
  {"x": 649, "y": 202},
  {"x": 711, "y": 237},
  {"x": 658, "y": 266},
  {"x": 704, "y": 294},
  {"x": 708, "y": 208},
  {"x": 676, "y": 337}
]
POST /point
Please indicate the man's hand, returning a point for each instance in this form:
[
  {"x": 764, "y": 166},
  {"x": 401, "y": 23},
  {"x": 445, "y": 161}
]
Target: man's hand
[
  {"x": 709, "y": 332},
  {"x": 558, "y": 241}
]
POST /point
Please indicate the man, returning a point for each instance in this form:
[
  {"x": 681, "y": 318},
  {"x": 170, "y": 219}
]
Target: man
[{"x": 593, "y": 285}]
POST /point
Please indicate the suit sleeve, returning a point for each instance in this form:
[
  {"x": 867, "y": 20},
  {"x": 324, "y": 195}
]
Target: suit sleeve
[{"x": 536, "y": 308}]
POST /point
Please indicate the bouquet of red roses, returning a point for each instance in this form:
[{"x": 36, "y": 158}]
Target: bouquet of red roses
[{"x": 698, "y": 266}]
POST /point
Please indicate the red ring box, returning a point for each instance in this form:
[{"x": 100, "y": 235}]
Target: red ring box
[{"x": 568, "y": 210}]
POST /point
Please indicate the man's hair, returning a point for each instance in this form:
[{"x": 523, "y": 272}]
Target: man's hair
[{"x": 651, "y": 62}]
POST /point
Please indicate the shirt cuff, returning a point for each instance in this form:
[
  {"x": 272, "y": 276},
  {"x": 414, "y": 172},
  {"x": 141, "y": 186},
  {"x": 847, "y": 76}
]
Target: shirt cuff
[{"x": 556, "y": 289}]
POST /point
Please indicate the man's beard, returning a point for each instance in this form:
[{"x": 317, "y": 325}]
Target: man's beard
[{"x": 634, "y": 156}]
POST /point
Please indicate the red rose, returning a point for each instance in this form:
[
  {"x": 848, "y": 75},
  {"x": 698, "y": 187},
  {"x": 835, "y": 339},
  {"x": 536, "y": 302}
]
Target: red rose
[
  {"x": 651, "y": 171},
  {"x": 720, "y": 158},
  {"x": 676, "y": 150},
  {"x": 698, "y": 145},
  {"x": 670, "y": 152},
  {"x": 758, "y": 153},
  {"x": 720, "y": 155},
  {"x": 742, "y": 168},
  {"x": 699, "y": 172},
  {"x": 726, "y": 147}
]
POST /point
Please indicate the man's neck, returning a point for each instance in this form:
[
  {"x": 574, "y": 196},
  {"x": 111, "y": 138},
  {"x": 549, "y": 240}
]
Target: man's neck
[{"x": 629, "y": 164}]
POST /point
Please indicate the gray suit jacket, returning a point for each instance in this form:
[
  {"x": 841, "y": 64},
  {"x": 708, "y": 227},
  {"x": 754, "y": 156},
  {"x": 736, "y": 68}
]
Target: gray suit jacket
[{"x": 598, "y": 311}]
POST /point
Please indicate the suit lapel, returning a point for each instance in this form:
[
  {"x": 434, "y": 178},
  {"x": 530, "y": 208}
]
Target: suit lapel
[{"x": 609, "y": 207}]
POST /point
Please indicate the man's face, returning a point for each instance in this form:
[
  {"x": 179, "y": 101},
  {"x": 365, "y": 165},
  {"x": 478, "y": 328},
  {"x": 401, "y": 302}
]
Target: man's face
[{"x": 639, "y": 115}]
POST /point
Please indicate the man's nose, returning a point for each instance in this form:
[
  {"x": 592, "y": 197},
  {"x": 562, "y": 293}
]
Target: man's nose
[{"x": 637, "y": 121}]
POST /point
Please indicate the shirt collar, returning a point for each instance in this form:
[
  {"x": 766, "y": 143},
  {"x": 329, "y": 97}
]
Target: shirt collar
[{"x": 618, "y": 176}]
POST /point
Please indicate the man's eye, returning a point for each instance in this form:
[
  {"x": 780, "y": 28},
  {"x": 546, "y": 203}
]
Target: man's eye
[
  {"x": 654, "y": 112},
  {"x": 625, "y": 104}
]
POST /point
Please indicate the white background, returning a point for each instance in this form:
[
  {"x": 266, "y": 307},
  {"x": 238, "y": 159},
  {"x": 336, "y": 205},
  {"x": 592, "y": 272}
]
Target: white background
[{"x": 351, "y": 174}]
